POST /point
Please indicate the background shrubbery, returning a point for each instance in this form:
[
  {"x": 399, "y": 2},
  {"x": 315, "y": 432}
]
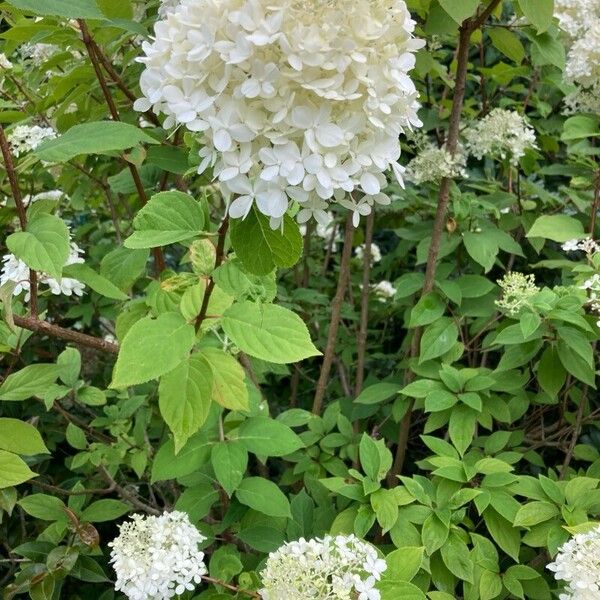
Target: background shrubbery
[{"x": 453, "y": 417}]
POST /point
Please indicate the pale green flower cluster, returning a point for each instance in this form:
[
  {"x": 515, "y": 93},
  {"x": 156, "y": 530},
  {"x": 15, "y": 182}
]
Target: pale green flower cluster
[{"x": 517, "y": 291}]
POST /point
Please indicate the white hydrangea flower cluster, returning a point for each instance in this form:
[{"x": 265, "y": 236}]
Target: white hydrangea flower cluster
[
  {"x": 502, "y": 134},
  {"x": 157, "y": 557},
  {"x": 14, "y": 269},
  {"x": 166, "y": 6},
  {"x": 38, "y": 54},
  {"x": 294, "y": 99},
  {"x": 578, "y": 563},
  {"x": 375, "y": 252},
  {"x": 434, "y": 164},
  {"x": 588, "y": 245},
  {"x": 517, "y": 291},
  {"x": 592, "y": 287},
  {"x": 332, "y": 568},
  {"x": 25, "y": 138},
  {"x": 4, "y": 62},
  {"x": 575, "y": 17},
  {"x": 384, "y": 290},
  {"x": 583, "y": 70}
]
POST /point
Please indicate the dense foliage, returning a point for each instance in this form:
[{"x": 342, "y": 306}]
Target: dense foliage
[{"x": 252, "y": 327}]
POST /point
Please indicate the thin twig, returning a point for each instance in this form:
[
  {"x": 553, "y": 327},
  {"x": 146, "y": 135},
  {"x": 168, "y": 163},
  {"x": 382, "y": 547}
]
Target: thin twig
[
  {"x": 18, "y": 198},
  {"x": 336, "y": 312},
  {"x": 125, "y": 495},
  {"x": 230, "y": 587}
]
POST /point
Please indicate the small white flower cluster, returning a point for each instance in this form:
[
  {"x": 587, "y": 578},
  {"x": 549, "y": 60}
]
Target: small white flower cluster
[
  {"x": 517, "y": 291},
  {"x": 294, "y": 99},
  {"x": 332, "y": 568},
  {"x": 4, "y": 62},
  {"x": 25, "y": 138},
  {"x": 434, "y": 164},
  {"x": 38, "y": 54},
  {"x": 157, "y": 557},
  {"x": 54, "y": 195},
  {"x": 384, "y": 290},
  {"x": 588, "y": 245},
  {"x": 502, "y": 134},
  {"x": 592, "y": 287},
  {"x": 375, "y": 252},
  {"x": 578, "y": 563},
  {"x": 575, "y": 17},
  {"x": 14, "y": 269},
  {"x": 583, "y": 70}
]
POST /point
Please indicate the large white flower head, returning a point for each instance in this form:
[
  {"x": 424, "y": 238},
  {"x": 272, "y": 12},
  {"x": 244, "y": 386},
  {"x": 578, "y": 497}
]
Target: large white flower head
[
  {"x": 578, "y": 563},
  {"x": 434, "y": 164},
  {"x": 157, "y": 557},
  {"x": 575, "y": 17},
  {"x": 295, "y": 99},
  {"x": 14, "y": 269},
  {"x": 25, "y": 138},
  {"x": 501, "y": 134},
  {"x": 583, "y": 70},
  {"x": 332, "y": 568}
]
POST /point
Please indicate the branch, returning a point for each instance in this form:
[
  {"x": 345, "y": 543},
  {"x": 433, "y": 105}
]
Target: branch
[
  {"x": 90, "y": 46},
  {"x": 336, "y": 312},
  {"x": 81, "y": 339},
  {"x": 230, "y": 587},
  {"x": 125, "y": 495},
  {"x": 220, "y": 255},
  {"x": 18, "y": 198}
]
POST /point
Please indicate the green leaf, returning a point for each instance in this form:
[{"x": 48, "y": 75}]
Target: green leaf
[
  {"x": 44, "y": 507},
  {"x": 462, "y": 427},
  {"x": 262, "y": 249},
  {"x": 102, "y": 137},
  {"x": 104, "y": 510},
  {"x": 44, "y": 246},
  {"x": 385, "y": 505},
  {"x": 263, "y": 496},
  {"x": 460, "y": 10},
  {"x": 193, "y": 457},
  {"x": 21, "y": 438},
  {"x": 151, "y": 348},
  {"x": 96, "y": 282},
  {"x": 168, "y": 217},
  {"x": 535, "y": 512},
  {"x": 482, "y": 248},
  {"x": 503, "y": 533},
  {"x": 13, "y": 470},
  {"x": 169, "y": 158},
  {"x": 229, "y": 461},
  {"x": 438, "y": 339},
  {"x": 399, "y": 590},
  {"x": 508, "y": 43},
  {"x": 404, "y": 563},
  {"x": 558, "y": 228},
  {"x": 197, "y": 501},
  {"x": 123, "y": 266},
  {"x": 378, "y": 392},
  {"x": 455, "y": 555},
  {"x": 266, "y": 437},
  {"x": 70, "y": 9},
  {"x": 229, "y": 379},
  {"x": 580, "y": 127},
  {"x": 33, "y": 380},
  {"x": 184, "y": 398},
  {"x": 551, "y": 374},
  {"x": 428, "y": 309},
  {"x": 268, "y": 332},
  {"x": 538, "y": 12},
  {"x": 547, "y": 50}
]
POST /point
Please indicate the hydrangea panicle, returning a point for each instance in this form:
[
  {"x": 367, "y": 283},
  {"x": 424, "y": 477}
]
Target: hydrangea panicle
[
  {"x": 384, "y": 290},
  {"x": 433, "y": 164},
  {"x": 332, "y": 568},
  {"x": 577, "y": 563},
  {"x": 375, "y": 252},
  {"x": 502, "y": 134},
  {"x": 517, "y": 291},
  {"x": 157, "y": 557},
  {"x": 294, "y": 100},
  {"x": 26, "y": 138}
]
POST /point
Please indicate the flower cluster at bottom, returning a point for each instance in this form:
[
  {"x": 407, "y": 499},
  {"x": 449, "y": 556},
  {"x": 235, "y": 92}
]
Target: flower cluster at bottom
[
  {"x": 156, "y": 558},
  {"x": 577, "y": 564},
  {"x": 332, "y": 568}
]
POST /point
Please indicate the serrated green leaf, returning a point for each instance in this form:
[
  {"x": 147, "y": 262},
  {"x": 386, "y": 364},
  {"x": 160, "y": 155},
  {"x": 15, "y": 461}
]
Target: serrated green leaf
[
  {"x": 229, "y": 386},
  {"x": 558, "y": 228},
  {"x": 268, "y": 332},
  {"x": 33, "y": 380},
  {"x": 151, "y": 348},
  {"x": 169, "y": 217},
  {"x": 43, "y": 246},
  {"x": 266, "y": 437},
  {"x": 20, "y": 437},
  {"x": 460, "y": 10},
  {"x": 13, "y": 470},
  {"x": 538, "y": 12},
  {"x": 229, "y": 461},
  {"x": 263, "y": 496},
  {"x": 70, "y": 9}
]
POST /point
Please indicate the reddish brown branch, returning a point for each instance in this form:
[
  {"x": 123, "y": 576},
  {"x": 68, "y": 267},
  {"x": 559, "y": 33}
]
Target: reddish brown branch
[
  {"x": 81, "y": 339},
  {"x": 336, "y": 313}
]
